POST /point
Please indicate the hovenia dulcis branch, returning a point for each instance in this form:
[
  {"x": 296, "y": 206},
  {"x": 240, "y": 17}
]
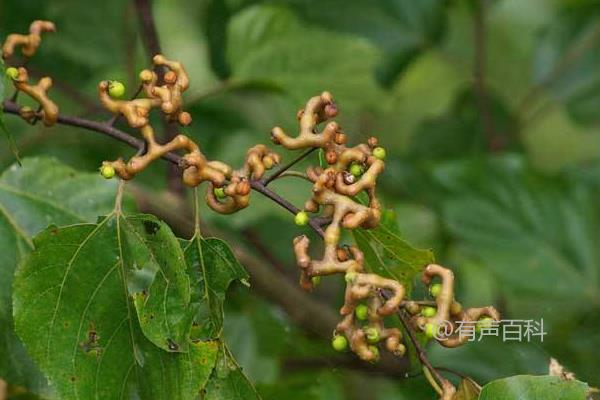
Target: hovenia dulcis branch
[{"x": 348, "y": 171}]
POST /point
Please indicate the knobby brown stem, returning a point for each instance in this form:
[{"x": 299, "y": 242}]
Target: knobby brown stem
[{"x": 152, "y": 45}]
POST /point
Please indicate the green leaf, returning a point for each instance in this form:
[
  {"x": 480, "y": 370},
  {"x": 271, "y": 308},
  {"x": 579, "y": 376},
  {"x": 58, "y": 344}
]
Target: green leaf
[
  {"x": 527, "y": 387},
  {"x": 270, "y": 43},
  {"x": 566, "y": 63},
  {"x": 43, "y": 191},
  {"x": 228, "y": 381},
  {"x": 97, "y": 304},
  {"x": 403, "y": 29},
  {"x": 212, "y": 266},
  {"x": 387, "y": 254}
]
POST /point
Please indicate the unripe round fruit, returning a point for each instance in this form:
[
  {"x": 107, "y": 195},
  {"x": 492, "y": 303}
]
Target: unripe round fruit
[
  {"x": 219, "y": 193},
  {"x": 12, "y": 73},
  {"x": 356, "y": 170},
  {"x": 435, "y": 289},
  {"x": 116, "y": 89},
  {"x": 379, "y": 153},
  {"x": 484, "y": 323},
  {"x": 301, "y": 218},
  {"x": 362, "y": 312},
  {"x": 428, "y": 312},
  {"x": 107, "y": 171},
  {"x": 430, "y": 330},
  {"x": 400, "y": 350},
  {"x": 339, "y": 343},
  {"x": 372, "y": 335},
  {"x": 375, "y": 351},
  {"x": 315, "y": 280}
]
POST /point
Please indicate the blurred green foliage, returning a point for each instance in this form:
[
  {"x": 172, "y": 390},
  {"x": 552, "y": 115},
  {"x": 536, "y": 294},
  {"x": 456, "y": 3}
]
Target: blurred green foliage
[{"x": 518, "y": 221}]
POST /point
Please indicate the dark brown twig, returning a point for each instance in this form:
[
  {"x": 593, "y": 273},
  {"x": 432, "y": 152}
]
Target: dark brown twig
[
  {"x": 479, "y": 70},
  {"x": 283, "y": 168}
]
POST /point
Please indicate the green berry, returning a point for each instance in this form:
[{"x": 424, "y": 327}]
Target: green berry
[
  {"x": 379, "y": 152},
  {"x": 484, "y": 323},
  {"x": 315, "y": 280},
  {"x": 107, "y": 171},
  {"x": 362, "y": 312},
  {"x": 339, "y": 343},
  {"x": 375, "y": 350},
  {"x": 220, "y": 193},
  {"x": 301, "y": 218},
  {"x": 372, "y": 335},
  {"x": 430, "y": 330},
  {"x": 356, "y": 170},
  {"x": 116, "y": 89},
  {"x": 435, "y": 289},
  {"x": 428, "y": 312},
  {"x": 12, "y": 73}
]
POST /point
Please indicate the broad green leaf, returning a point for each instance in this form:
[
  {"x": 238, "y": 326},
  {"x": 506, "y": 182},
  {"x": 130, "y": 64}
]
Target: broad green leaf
[
  {"x": 98, "y": 304},
  {"x": 387, "y": 254},
  {"x": 227, "y": 380},
  {"x": 212, "y": 266},
  {"x": 527, "y": 387},
  {"x": 268, "y": 42},
  {"x": 42, "y": 192},
  {"x": 403, "y": 29},
  {"x": 566, "y": 63}
]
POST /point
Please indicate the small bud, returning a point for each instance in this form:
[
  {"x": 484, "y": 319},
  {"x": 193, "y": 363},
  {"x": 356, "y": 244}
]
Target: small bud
[
  {"x": 315, "y": 280},
  {"x": 372, "y": 141},
  {"x": 219, "y": 193},
  {"x": 299, "y": 114},
  {"x": 331, "y": 157},
  {"x": 146, "y": 75},
  {"x": 268, "y": 162},
  {"x": 484, "y": 323},
  {"x": 184, "y": 118},
  {"x": 372, "y": 335},
  {"x": 243, "y": 188},
  {"x": 400, "y": 350},
  {"x": 340, "y": 138},
  {"x": 331, "y": 110},
  {"x": 350, "y": 276},
  {"x": 341, "y": 254},
  {"x": 412, "y": 307},
  {"x": 349, "y": 179},
  {"x": 170, "y": 77}
]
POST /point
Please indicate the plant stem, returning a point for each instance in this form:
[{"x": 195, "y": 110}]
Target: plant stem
[{"x": 285, "y": 167}]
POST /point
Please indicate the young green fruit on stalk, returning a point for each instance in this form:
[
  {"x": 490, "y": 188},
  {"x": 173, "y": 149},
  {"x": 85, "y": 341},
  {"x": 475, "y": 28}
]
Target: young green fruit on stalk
[
  {"x": 107, "y": 171},
  {"x": 116, "y": 89},
  {"x": 356, "y": 170},
  {"x": 362, "y": 312},
  {"x": 484, "y": 323},
  {"x": 219, "y": 193},
  {"x": 12, "y": 73},
  {"x": 379, "y": 153},
  {"x": 339, "y": 343},
  {"x": 435, "y": 289},
  {"x": 372, "y": 335},
  {"x": 428, "y": 312},
  {"x": 301, "y": 218}
]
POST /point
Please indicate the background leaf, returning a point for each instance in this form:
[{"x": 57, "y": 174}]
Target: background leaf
[{"x": 525, "y": 387}]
